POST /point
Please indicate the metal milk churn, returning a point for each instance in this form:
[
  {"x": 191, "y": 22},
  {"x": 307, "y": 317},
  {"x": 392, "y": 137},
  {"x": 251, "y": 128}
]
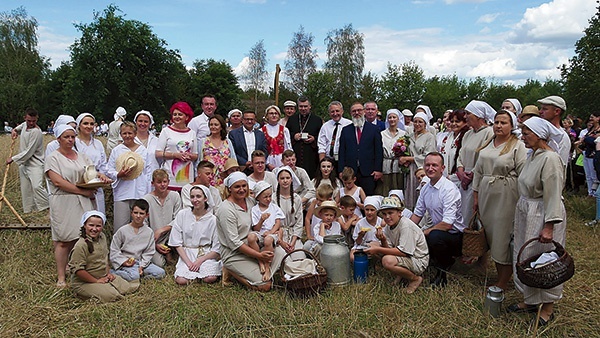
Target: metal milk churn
[
  {"x": 335, "y": 258},
  {"x": 493, "y": 301}
]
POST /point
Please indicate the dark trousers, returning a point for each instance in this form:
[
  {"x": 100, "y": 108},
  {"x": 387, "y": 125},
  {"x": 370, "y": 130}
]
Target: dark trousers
[
  {"x": 443, "y": 247},
  {"x": 367, "y": 183}
]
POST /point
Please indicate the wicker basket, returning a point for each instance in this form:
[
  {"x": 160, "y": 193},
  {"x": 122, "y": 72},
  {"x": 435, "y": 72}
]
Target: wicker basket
[
  {"x": 548, "y": 276},
  {"x": 474, "y": 241},
  {"x": 308, "y": 285}
]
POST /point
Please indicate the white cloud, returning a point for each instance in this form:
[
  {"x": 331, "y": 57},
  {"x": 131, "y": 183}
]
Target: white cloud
[
  {"x": 488, "y": 18},
  {"x": 54, "y": 46},
  {"x": 558, "y": 22},
  {"x": 501, "y": 67}
]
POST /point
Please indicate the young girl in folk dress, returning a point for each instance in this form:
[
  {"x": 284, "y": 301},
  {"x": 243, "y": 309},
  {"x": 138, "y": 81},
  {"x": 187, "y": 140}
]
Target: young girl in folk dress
[
  {"x": 194, "y": 235},
  {"x": 326, "y": 175},
  {"x": 277, "y": 135},
  {"x": 350, "y": 188},
  {"x": 291, "y": 204},
  {"x": 88, "y": 263}
]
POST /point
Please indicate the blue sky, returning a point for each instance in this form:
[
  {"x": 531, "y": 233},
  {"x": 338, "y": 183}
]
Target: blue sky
[{"x": 504, "y": 40}]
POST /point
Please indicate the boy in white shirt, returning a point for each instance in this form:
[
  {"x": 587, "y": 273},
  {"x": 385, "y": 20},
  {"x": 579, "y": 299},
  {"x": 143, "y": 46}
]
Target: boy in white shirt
[
  {"x": 328, "y": 213},
  {"x": 266, "y": 224},
  {"x": 364, "y": 231}
]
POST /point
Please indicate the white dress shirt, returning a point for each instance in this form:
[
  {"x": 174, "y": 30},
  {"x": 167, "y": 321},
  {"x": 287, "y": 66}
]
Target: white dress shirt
[
  {"x": 250, "y": 142},
  {"x": 442, "y": 201},
  {"x": 199, "y": 124},
  {"x": 326, "y": 134}
]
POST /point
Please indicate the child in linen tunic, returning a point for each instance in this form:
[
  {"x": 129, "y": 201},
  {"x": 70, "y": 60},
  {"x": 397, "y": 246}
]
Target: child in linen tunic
[{"x": 111, "y": 287}]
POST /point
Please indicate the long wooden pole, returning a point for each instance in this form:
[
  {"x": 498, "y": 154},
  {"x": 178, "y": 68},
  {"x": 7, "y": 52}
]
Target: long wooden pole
[
  {"x": 276, "y": 84},
  {"x": 12, "y": 147}
]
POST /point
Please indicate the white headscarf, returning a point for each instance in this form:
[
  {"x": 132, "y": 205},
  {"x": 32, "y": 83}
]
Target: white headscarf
[
  {"x": 423, "y": 116},
  {"x": 400, "y": 118},
  {"x": 144, "y": 112},
  {"x": 63, "y": 119},
  {"x": 427, "y": 111},
  {"x": 233, "y": 111},
  {"x": 207, "y": 194},
  {"x": 120, "y": 113},
  {"x": 374, "y": 201},
  {"x": 517, "y": 104},
  {"x": 545, "y": 130},
  {"x": 61, "y": 129},
  {"x": 81, "y": 116},
  {"x": 234, "y": 177},
  {"x": 260, "y": 187},
  {"x": 482, "y": 110},
  {"x": 295, "y": 180},
  {"x": 513, "y": 118},
  {"x": 91, "y": 213},
  {"x": 398, "y": 193}
]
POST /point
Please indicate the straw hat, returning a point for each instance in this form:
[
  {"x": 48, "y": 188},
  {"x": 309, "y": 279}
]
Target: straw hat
[
  {"x": 530, "y": 110},
  {"x": 328, "y": 205},
  {"x": 232, "y": 163},
  {"x": 132, "y": 160}
]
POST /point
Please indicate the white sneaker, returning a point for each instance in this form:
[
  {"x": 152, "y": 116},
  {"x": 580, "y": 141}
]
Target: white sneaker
[{"x": 592, "y": 223}]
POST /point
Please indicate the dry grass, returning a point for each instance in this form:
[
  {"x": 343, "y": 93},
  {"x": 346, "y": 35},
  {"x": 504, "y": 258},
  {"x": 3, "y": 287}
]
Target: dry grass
[{"x": 32, "y": 306}]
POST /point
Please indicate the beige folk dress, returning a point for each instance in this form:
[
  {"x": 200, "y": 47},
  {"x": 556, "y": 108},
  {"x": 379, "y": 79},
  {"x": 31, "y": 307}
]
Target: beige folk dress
[
  {"x": 467, "y": 157},
  {"x": 540, "y": 188},
  {"x": 420, "y": 146},
  {"x": 495, "y": 179},
  {"x": 233, "y": 226}
]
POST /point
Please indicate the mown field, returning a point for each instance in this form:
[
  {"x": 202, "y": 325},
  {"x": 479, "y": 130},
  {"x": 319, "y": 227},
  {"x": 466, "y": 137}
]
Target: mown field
[{"x": 31, "y": 305}]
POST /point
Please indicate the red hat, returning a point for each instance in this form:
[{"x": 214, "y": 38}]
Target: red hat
[{"x": 183, "y": 107}]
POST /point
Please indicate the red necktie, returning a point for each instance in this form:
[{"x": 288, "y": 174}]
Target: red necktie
[{"x": 358, "y": 133}]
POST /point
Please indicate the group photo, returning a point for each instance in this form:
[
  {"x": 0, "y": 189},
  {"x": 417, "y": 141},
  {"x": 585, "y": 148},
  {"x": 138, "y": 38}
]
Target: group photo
[{"x": 336, "y": 203}]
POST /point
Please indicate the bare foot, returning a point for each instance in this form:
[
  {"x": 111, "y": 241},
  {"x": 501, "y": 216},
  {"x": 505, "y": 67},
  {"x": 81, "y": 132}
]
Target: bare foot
[
  {"x": 261, "y": 266},
  {"x": 226, "y": 278},
  {"x": 267, "y": 273},
  {"x": 413, "y": 285},
  {"x": 61, "y": 284}
]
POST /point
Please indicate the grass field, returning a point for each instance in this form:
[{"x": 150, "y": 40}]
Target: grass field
[{"x": 31, "y": 306}]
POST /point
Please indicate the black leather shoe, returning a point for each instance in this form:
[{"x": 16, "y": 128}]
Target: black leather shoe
[{"x": 514, "y": 308}]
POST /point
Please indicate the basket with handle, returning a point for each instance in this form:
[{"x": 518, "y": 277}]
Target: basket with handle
[
  {"x": 474, "y": 241},
  {"x": 549, "y": 275},
  {"x": 308, "y": 285}
]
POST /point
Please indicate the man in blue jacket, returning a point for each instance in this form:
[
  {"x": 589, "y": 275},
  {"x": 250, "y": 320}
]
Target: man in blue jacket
[
  {"x": 246, "y": 140},
  {"x": 361, "y": 149}
]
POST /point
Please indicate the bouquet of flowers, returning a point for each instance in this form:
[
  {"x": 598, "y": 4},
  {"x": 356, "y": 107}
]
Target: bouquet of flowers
[{"x": 400, "y": 149}]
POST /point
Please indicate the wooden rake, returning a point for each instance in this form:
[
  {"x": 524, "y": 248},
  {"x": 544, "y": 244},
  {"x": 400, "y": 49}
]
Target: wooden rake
[{"x": 3, "y": 198}]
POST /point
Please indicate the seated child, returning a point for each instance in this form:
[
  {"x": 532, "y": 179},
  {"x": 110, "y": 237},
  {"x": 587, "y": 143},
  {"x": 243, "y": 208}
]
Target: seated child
[
  {"x": 350, "y": 188},
  {"x": 348, "y": 218},
  {"x": 364, "y": 232},
  {"x": 403, "y": 245},
  {"x": 164, "y": 204},
  {"x": 324, "y": 193},
  {"x": 132, "y": 247},
  {"x": 328, "y": 212},
  {"x": 204, "y": 174},
  {"x": 266, "y": 224},
  {"x": 305, "y": 189},
  {"x": 88, "y": 264},
  {"x": 194, "y": 236}
]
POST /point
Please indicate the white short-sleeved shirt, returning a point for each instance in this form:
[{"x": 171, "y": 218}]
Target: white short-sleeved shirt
[
  {"x": 274, "y": 210},
  {"x": 443, "y": 203}
]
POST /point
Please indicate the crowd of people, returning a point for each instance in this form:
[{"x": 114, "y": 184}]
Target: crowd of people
[{"x": 228, "y": 198}]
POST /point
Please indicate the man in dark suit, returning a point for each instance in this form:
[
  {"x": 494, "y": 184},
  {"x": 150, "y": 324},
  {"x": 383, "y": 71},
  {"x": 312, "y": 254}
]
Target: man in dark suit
[
  {"x": 304, "y": 130},
  {"x": 371, "y": 115},
  {"x": 361, "y": 149},
  {"x": 245, "y": 140}
]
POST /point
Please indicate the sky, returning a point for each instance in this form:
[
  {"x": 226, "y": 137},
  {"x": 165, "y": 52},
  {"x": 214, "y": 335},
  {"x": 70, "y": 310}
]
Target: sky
[{"x": 501, "y": 40}]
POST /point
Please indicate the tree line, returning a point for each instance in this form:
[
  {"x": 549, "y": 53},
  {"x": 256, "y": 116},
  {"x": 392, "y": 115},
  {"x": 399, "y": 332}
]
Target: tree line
[{"x": 121, "y": 62}]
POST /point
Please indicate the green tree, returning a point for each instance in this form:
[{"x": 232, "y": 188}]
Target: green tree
[
  {"x": 443, "y": 93},
  {"x": 23, "y": 71},
  {"x": 476, "y": 89},
  {"x": 321, "y": 91},
  {"x": 498, "y": 92},
  {"x": 345, "y": 61},
  {"x": 581, "y": 76},
  {"x": 368, "y": 88},
  {"x": 300, "y": 61},
  {"x": 216, "y": 78},
  {"x": 256, "y": 72},
  {"x": 402, "y": 86},
  {"x": 119, "y": 62}
]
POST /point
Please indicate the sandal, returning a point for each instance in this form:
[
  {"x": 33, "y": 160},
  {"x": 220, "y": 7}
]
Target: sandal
[{"x": 515, "y": 308}]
